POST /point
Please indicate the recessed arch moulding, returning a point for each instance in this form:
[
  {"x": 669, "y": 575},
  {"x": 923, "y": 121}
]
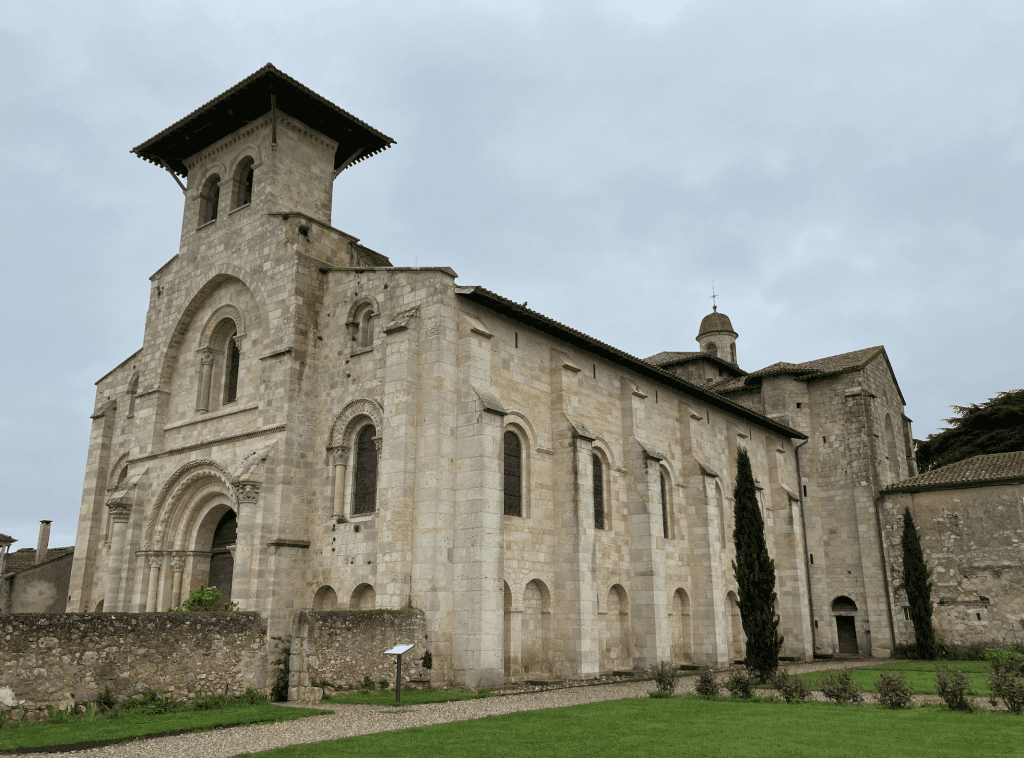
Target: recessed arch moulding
[{"x": 224, "y": 315}]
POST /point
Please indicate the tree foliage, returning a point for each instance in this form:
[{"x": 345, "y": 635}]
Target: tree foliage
[
  {"x": 205, "y": 599},
  {"x": 919, "y": 589},
  {"x": 993, "y": 427},
  {"x": 755, "y": 576}
]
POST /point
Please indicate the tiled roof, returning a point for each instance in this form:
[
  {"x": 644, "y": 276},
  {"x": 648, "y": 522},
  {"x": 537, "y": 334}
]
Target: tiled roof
[
  {"x": 23, "y": 559},
  {"x": 979, "y": 471},
  {"x": 250, "y": 100},
  {"x": 833, "y": 364},
  {"x": 541, "y": 322},
  {"x": 670, "y": 358},
  {"x": 373, "y": 257}
]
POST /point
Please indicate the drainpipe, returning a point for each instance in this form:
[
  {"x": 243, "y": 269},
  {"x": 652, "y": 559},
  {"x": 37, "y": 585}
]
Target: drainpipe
[
  {"x": 803, "y": 528},
  {"x": 44, "y": 541}
]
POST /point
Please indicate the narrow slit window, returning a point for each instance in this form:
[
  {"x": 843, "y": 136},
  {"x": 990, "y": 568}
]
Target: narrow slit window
[
  {"x": 231, "y": 378},
  {"x": 598, "y": 493},
  {"x": 664, "y": 506}
]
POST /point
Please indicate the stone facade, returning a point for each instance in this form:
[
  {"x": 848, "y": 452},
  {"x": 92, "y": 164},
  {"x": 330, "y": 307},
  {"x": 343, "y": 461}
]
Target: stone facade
[
  {"x": 61, "y": 659},
  {"x": 313, "y": 428},
  {"x": 972, "y": 535}
]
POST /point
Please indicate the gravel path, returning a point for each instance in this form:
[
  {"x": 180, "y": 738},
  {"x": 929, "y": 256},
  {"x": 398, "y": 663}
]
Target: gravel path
[{"x": 354, "y": 720}]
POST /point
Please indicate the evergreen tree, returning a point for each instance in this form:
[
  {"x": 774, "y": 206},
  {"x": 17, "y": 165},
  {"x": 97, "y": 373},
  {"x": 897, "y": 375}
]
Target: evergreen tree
[
  {"x": 919, "y": 589},
  {"x": 993, "y": 427},
  {"x": 755, "y": 576}
]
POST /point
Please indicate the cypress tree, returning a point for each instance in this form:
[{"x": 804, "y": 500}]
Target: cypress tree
[
  {"x": 919, "y": 589},
  {"x": 755, "y": 576}
]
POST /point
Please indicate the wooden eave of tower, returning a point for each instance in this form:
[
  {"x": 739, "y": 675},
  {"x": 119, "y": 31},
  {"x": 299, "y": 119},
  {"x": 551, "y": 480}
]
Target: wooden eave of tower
[{"x": 268, "y": 90}]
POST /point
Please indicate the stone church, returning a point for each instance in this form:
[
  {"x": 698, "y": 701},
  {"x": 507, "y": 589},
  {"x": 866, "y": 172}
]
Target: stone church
[{"x": 308, "y": 425}]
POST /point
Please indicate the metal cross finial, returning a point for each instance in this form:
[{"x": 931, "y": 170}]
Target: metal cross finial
[{"x": 714, "y": 305}]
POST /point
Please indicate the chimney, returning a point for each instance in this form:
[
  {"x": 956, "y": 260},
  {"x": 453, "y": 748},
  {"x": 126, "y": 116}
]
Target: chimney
[{"x": 44, "y": 541}]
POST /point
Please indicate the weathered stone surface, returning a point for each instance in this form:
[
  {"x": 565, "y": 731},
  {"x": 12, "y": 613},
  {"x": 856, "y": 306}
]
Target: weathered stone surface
[{"x": 57, "y": 658}]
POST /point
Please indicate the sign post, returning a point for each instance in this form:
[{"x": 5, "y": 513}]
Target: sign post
[{"x": 397, "y": 651}]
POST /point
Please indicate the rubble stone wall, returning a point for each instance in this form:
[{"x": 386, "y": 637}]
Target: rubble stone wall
[
  {"x": 341, "y": 648},
  {"x": 59, "y": 659}
]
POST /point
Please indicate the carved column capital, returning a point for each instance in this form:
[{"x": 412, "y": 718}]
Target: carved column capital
[
  {"x": 339, "y": 455},
  {"x": 206, "y": 357},
  {"x": 155, "y": 561},
  {"x": 247, "y": 492},
  {"x": 120, "y": 511},
  {"x": 177, "y": 563}
]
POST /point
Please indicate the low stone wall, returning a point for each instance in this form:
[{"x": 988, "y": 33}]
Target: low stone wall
[
  {"x": 343, "y": 647},
  {"x": 58, "y": 659}
]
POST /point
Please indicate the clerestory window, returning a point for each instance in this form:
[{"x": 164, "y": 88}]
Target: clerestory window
[
  {"x": 598, "y": 492},
  {"x": 209, "y": 199},
  {"x": 512, "y": 481}
]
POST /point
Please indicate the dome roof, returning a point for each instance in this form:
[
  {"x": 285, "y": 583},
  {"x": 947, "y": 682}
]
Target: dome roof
[{"x": 715, "y": 322}]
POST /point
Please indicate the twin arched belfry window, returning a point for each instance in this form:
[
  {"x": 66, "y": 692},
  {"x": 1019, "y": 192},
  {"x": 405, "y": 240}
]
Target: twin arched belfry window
[{"x": 240, "y": 190}]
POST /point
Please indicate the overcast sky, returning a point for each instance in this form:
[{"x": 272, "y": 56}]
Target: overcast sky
[{"x": 847, "y": 174}]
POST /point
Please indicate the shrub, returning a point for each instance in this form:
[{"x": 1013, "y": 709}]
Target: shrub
[
  {"x": 664, "y": 675},
  {"x": 1007, "y": 679},
  {"x": 837, "y": 685},
  {"x": 106, "y": 701},
  {"x": 204, "y": 599},
  {"x": 660, "y": 693},
  {"x": 428, "y": 660},
  {"x": 279, "y": 692},
  {"x": 368, "y": 684},
  {"x": 384, "y": 684},
  {"x": 740, "y": 684},
  {"x": 706, "y": 685},
  {"x": 791, "y": 688},
  {"x": 972, "y": 652},
  {"x": 955, "y": 689},
  {"x": 254, "y": 697},
  {"x": 893, "y": 691},
  {"x": 905, "y": 651}
]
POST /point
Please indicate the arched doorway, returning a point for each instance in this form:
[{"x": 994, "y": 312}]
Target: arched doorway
[
  {"x": 222, "y": 559},
  {"x": 845, "y": 611}
]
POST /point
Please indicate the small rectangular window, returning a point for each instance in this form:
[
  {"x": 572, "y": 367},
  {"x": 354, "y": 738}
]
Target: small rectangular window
[
  {"x": 655, "y": 395},
  {"x": 812, "y": 558},
  {"x": 906, "y": 613},
  {"x": 805, "y": 490},
  {"x": 824, "y": 440},
  {"x": 798, "y": 405},
  {"x": 517, "y": 339},
  {"x": 815, "y": 624},
  {"x": 595, "y": 370}
]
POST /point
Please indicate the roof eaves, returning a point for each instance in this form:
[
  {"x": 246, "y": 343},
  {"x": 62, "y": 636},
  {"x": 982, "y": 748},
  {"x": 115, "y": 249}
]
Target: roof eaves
[{"x": 530, "y": 317}]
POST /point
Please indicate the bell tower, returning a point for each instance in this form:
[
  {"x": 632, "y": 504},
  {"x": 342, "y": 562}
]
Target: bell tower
[
  {"x": 267, "y": 146},
  {"x": 716, "y": 336}
]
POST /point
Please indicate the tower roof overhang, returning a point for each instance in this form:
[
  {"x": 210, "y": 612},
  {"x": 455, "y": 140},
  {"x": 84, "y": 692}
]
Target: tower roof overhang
[{"x": 247, "y": 101}]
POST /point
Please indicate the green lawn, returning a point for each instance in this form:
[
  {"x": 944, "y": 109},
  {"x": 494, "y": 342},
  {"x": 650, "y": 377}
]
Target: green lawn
[
  {"x": 684, "y": 726},
  {"x": 920, "y": 675},
  {"x": 409, "y": 697},
  {"x": 131, "y": 726}
]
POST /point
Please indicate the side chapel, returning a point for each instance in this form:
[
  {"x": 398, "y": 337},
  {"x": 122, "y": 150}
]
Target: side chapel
[{"x": 309, "y": 426}]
